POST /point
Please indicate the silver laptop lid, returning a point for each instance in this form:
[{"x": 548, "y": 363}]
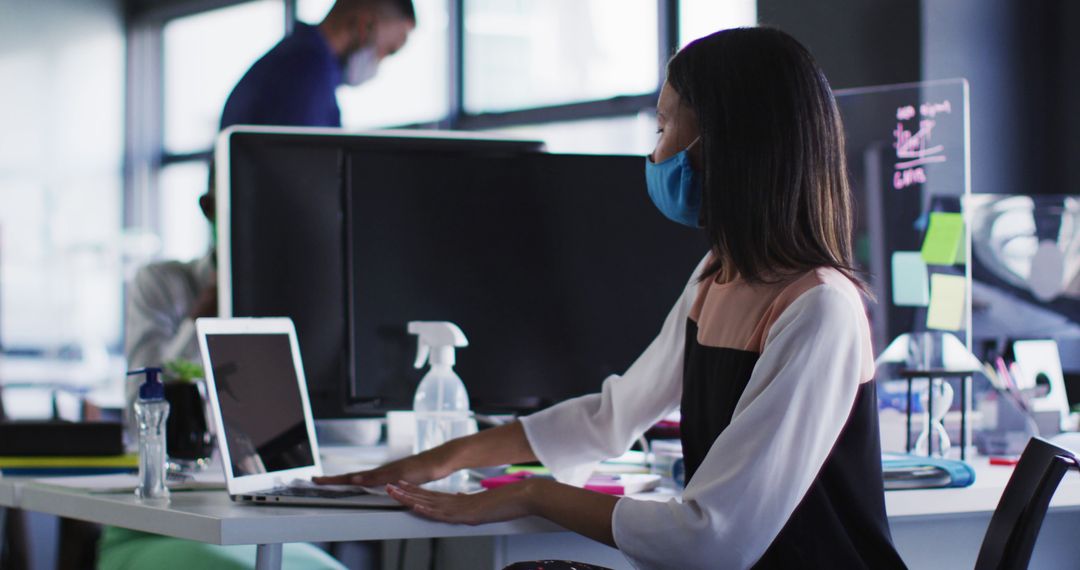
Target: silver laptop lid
[{"x": 259, "y": 397}]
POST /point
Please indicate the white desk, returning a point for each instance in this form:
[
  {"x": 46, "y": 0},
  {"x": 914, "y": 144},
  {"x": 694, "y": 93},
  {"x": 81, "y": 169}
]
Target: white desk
[
  {"x": 209, "y": 516},
  {"x": 980, "y": 497},
  {"x": 7, "y": 492},
  {"x": 944, "y": 528},
  {"x": 932, "y": 528}
]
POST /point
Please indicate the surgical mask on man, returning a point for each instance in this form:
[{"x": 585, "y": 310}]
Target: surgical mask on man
[
  {"x": 675, "y": 188},
  {"x": 361, "y": 66}
]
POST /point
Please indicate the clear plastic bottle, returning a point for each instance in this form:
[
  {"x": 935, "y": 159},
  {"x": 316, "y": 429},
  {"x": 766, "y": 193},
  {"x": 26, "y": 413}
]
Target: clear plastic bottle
[
  {"x": 441, "y": 404},
  {"x": 151, "y": 413}
]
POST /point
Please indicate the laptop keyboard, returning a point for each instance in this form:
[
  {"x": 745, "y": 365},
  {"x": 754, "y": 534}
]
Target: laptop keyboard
[{"x": 313, "y": 492}]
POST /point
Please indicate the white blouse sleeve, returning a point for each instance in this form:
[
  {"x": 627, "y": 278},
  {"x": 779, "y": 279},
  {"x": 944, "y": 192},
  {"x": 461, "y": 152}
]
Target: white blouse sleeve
[
  {"x": 571, "y": 437},
  {"x": 797, "y": 401}
]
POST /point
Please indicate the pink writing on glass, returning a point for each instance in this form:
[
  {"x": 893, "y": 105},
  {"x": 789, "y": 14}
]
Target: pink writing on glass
[
  {"x": 907, "y": 177},
  {"x": 913, "y": 148},
  {"x": 932, "y": 109}
]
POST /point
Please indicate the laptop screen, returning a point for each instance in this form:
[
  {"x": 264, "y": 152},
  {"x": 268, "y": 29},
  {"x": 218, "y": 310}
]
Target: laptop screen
[{"x": 261, "y": 405}]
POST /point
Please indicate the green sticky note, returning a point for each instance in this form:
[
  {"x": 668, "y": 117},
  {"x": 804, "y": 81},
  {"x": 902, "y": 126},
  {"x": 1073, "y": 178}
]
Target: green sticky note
[
  {"x": 944, "y": 243},
  {"x": 948, "y": 302},
  {"x": 533, "y": 469},
  {"x": 910, "y": 279}
]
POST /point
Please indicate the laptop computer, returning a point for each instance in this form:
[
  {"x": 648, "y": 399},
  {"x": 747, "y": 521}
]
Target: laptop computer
[{"x": 266, "y": 434}]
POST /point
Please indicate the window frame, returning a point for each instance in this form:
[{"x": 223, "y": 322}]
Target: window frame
[{"x": 145, "y": 152}]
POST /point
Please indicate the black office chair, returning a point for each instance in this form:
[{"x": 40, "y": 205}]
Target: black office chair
[{"x": 1014, "y": 528}]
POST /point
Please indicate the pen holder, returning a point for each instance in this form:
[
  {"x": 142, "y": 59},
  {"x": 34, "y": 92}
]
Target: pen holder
[{"x": 188, "y": 438}]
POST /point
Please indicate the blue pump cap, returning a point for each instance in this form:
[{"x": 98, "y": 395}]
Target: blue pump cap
[{"x": 152, "y": 388}]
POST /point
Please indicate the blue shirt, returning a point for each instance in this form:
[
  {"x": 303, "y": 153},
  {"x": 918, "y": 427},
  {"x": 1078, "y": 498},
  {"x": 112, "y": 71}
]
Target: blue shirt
[{"x": 293, "y": 84}]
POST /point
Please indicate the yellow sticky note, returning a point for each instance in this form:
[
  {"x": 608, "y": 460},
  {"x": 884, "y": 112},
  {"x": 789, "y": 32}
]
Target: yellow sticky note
[
  {"x": 948, "y": 302},
  {"x": 944, "y": 242}
]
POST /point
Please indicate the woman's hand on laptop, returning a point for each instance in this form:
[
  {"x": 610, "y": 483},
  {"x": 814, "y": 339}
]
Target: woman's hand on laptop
[
  {"x": 416, "y": 469},
  {"x": 495, "y": 446}
]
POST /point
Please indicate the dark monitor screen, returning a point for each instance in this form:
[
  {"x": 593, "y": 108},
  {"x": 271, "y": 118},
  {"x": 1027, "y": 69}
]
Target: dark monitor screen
[{"x": 557, "y": 267}]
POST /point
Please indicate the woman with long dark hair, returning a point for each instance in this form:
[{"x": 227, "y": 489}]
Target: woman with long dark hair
[{"x": 767, "y": 351}]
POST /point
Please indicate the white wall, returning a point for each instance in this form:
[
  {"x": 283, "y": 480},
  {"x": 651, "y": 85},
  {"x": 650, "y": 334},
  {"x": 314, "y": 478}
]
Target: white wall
[{"x": 61, "y": 129}]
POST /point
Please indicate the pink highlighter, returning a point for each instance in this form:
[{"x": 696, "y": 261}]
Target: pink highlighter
[{"x": 607, "y": 484}]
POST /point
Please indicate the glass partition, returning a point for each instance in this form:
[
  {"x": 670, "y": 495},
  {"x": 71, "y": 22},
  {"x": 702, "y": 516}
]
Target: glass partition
[{"x": 908, "y": 158}]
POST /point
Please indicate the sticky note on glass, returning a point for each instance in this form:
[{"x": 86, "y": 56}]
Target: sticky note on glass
[
  {"x": 944, "y": 243},
  {"x": 910, "y": 279},
  {"x": 948, "y": 301}
]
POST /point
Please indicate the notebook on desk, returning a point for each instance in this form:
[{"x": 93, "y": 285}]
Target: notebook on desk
[{"x": 266, "y": 434}]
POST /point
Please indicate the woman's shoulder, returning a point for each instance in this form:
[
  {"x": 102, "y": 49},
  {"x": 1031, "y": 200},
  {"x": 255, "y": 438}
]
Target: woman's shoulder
[
  {"x": 817, "y": 293},
  {"x": 820, "y": 280},
  {"x": 829, "y": 298}
]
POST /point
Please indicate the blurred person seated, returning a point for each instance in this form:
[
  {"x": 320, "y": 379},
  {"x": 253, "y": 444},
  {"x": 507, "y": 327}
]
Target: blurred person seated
[{"x": 163, "y": 302}]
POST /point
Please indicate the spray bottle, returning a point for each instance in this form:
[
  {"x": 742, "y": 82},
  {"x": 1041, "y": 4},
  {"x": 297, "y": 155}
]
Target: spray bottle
[
  {"x": 151, "y": 412},
  {"x": 441, "y": 404}
]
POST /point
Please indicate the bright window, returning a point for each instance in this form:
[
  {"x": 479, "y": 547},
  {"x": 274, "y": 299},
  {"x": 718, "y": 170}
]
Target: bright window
[
  {"x": 184, "y": 231},
  {"x": 618, "y": 135},
  {"x": 531, "y": 53},
  {"x": 61, "y": 149},
  {"x": 699, "y": 18},
  {"x": 312, "y": 11},
  {"x": 205, "y": 55},
  {"x": 412, "y": 85}
]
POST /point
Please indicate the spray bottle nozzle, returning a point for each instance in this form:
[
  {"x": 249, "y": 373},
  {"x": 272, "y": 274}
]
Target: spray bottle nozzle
[
  {"x": 436, "y": 342},
  {"x": 152, "y": 388}
]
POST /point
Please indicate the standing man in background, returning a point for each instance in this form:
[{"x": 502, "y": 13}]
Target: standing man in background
[{"x": 294, "y": 84}]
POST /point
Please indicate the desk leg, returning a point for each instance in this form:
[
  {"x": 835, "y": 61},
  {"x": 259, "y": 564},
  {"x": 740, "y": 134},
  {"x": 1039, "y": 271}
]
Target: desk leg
[
  {"x": 3, "y": 536},
  {"x": 268, "y": 557}
]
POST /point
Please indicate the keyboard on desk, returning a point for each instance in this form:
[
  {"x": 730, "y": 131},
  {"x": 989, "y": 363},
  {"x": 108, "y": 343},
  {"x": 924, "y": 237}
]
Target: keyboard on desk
[
  {"x": 311, "y": 492},
  {"x": 330, "y": 496}
]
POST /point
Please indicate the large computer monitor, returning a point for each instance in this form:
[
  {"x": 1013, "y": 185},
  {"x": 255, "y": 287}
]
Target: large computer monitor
[{"x": 557, "y": 267}]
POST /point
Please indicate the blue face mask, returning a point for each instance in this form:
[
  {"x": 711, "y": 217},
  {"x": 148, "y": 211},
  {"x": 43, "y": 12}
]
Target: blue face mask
[{"x": 675, "y": 188}]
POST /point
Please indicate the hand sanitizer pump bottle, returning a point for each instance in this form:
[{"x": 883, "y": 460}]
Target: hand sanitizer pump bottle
[
  {"x": 151, "y": 413},
  {"x": 441, "y": 404}
]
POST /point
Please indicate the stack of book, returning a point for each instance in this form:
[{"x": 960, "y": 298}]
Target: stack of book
[{"x": 48, "y": 465}]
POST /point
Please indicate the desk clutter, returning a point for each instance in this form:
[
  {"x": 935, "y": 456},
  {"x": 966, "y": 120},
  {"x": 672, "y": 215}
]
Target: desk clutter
[
  {"x": 626, "y": 484},
  {"x": 209, "y": 480},
  {"x": 917, "y": 472},
  {"x": 33, "y": 448},
  {"x": 61, "y": 438}
]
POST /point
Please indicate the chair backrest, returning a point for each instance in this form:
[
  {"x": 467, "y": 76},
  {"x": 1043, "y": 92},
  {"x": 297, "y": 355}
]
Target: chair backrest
[{"x": 1014, "y": 528}]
